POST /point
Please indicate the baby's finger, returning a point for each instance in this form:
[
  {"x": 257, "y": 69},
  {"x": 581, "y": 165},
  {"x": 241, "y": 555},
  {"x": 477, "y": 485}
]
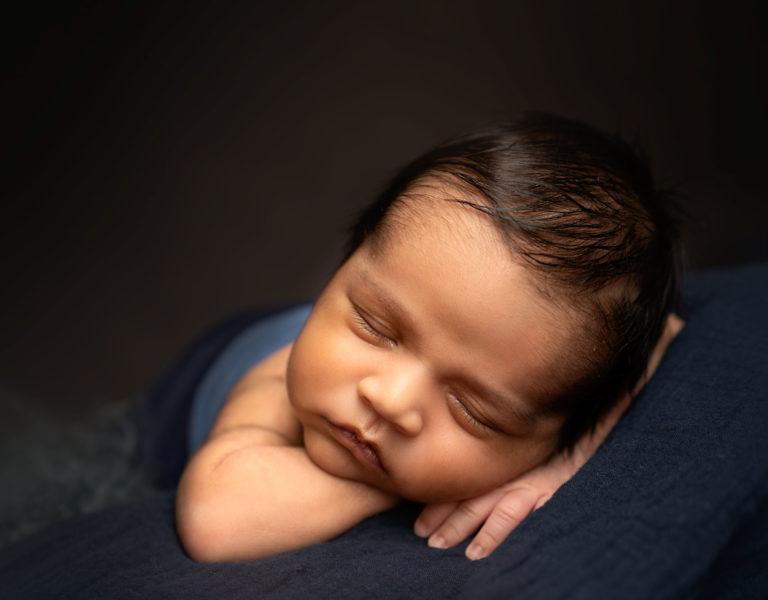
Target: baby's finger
[
  {"x": 505, "y": 516},
  {"x": 464, "y": 520},
  {"x": 431, "y": 517}
]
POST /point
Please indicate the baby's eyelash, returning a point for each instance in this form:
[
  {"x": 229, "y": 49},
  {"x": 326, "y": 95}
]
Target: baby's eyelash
[
  {"x": 369, "y": 329},
  {"x": 465, "y": 414}
]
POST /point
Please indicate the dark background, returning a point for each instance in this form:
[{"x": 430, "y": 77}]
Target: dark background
[{"x": 165, "y": 164}]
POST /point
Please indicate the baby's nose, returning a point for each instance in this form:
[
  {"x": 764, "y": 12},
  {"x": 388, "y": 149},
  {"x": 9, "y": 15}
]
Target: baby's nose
[{"x": 395, "y": 398}]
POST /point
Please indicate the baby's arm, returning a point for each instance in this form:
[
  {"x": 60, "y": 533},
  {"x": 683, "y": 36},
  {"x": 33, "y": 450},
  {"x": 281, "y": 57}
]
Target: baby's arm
[{"x": 252, "y": 491}]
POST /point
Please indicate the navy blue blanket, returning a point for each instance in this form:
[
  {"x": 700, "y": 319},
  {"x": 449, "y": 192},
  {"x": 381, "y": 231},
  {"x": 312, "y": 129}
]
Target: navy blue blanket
[{"x": 673, "y": 505}]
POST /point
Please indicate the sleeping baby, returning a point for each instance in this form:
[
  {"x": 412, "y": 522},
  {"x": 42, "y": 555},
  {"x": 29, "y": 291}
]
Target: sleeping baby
[{"x": 499, "y": 306}]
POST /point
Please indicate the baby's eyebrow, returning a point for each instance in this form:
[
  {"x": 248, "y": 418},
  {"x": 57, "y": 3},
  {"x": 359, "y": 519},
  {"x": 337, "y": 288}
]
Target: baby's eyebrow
[{"x": 389, "y": 302}]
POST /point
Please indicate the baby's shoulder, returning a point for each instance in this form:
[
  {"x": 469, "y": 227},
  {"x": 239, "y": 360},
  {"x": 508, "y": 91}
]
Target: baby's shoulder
[{"x": 260, "y": 399}]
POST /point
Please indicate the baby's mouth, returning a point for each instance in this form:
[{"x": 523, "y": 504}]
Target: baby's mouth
[{"x": 365, "y": 452}]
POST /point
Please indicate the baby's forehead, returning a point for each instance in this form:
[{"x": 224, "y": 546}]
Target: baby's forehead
[{"x": 442, "y": 207}]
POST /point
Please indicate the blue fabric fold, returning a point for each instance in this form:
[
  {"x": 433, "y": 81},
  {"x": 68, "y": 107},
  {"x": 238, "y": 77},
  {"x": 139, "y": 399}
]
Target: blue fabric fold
[{"x": 248, "y": 348}]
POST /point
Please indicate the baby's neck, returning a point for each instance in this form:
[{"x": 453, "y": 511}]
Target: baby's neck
[{"x": 672, "y": 327}]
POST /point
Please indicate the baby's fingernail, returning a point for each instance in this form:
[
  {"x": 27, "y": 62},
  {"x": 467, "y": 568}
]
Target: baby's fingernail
[
  {"x": 436, "y": 541},
  {"x": 420, "y": 529},
  {"x": 475, "y": 552}
]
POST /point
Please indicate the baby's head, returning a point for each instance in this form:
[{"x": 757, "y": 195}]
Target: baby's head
[{"x": 497, "y": 298}]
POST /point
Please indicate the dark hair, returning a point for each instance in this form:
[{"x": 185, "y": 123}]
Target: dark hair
[{"x": 580, "y": 208}]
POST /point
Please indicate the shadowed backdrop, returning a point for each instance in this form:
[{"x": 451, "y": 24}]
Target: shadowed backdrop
[{"x": 166, "y": 164}]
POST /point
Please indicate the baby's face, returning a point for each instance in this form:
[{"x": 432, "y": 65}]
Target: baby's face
[{"x": 421, "y": 366}]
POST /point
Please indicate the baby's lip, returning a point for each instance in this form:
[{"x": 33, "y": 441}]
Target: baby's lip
[{"x": 365, "y": 451}]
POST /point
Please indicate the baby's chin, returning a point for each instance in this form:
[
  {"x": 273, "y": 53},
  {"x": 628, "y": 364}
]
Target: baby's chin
[
  {"x": 334, "y": 461},
  {"x": 329, "y": 462},
  {"x": 331, "y": 459}
]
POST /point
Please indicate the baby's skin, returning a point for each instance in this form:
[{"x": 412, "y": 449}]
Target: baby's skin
[{"x": 421, "y": 373}]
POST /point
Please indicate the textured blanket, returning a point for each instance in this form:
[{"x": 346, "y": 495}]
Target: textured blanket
[
  {"x": 53, "y": 466},
  {"x": 673, "y": 505}
]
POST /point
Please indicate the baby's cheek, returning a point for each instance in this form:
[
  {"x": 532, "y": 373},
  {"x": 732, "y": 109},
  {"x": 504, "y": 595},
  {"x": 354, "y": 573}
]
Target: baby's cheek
[
  {"x": 429, "y": 476},
  {"x": 460, "y": 472},
  {"x": 297, "y": 378}
]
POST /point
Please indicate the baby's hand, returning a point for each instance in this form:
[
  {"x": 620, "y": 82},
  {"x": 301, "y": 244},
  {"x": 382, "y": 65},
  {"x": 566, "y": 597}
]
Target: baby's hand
[
  {"x": 502, "y": 509},
  {"x": 498, "y": 511}
]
